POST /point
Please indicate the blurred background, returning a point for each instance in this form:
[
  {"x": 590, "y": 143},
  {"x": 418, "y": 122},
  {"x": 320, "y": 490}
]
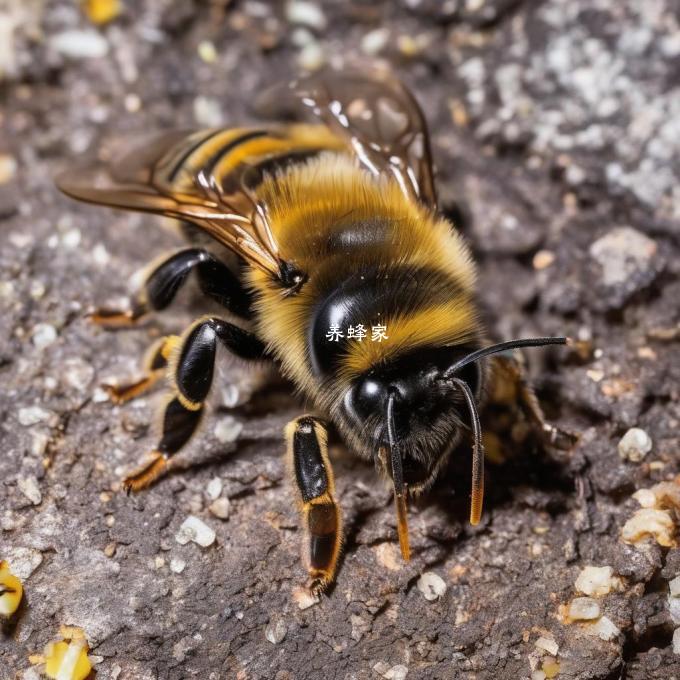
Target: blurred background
[{"x": 556, "y": 130}]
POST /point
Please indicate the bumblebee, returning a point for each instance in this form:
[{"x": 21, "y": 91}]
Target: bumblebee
[{"x": 336, "y": 228}]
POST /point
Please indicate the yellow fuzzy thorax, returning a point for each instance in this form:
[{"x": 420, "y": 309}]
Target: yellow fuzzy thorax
[{"x": 307, "y": 206}]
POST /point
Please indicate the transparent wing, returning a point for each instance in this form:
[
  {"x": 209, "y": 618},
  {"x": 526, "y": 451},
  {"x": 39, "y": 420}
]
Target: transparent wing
[
  {"x": 381, "y": 121},
  {"x": 175, "y": 174}
]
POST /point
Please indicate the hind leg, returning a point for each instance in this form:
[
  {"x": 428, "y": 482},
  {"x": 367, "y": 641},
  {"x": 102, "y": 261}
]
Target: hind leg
[
  {"x": 154, "y": 368},
  {"x": 165, "y": 277},
  {"x": 192, "y": 374}
]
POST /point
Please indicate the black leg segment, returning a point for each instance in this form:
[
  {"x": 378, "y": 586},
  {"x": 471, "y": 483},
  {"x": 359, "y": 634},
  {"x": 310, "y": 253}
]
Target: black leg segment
[
  {"x": 194, "y": 370},
  {"x": 165, "y": 277},
  {"x": 179, "y": 424},
  {"x": 310, "y": 472},
  {"x": 215, "y": 278},
  {"x": 308, "y": 455}
]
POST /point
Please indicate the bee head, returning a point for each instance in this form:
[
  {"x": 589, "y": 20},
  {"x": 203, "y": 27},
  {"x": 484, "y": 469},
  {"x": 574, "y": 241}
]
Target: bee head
[
  {"x": 427, "y": 415},
  {"x": 414, "y": 410}
]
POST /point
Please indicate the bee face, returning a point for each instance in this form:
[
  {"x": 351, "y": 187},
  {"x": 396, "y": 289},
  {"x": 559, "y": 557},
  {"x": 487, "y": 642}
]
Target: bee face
[{"x": 427, "y": 413}]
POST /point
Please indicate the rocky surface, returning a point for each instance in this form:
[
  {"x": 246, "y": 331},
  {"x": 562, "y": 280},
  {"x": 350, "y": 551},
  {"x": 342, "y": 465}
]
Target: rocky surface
[{"x": 556, "y": 135}]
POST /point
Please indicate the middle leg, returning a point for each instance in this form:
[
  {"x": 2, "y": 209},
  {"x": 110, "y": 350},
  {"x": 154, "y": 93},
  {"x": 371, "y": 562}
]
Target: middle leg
[{"x": 191, "y": 371}]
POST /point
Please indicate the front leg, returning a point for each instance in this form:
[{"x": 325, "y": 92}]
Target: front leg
[
  {"x": 165, "y": 276},
  {"x": 307, "y": 452}
]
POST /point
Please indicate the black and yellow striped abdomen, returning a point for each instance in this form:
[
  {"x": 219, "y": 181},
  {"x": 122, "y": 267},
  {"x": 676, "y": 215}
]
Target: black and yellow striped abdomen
[
  {"x": 221, "y": 154},
  {"x": 371, "y": 257}
]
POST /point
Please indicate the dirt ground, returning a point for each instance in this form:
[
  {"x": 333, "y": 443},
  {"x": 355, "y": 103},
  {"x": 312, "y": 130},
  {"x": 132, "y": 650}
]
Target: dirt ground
[{"x": 556, "y": 136}]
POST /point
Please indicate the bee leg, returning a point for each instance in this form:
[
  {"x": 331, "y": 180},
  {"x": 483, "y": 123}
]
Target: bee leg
[
  {"x": 154, "y": 365},
  {"x": 192, "y": 374},
  {"x": 550, "y": 434},
  {"x": 179, "y": 424},
  {"x": 165, "y": 277},
  {"x": 511, "y": 372},
  {"x": 307, "y": 453}
]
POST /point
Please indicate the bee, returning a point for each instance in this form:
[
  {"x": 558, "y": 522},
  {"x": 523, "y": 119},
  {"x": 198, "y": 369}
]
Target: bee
[{"x": 335, "y": 226}]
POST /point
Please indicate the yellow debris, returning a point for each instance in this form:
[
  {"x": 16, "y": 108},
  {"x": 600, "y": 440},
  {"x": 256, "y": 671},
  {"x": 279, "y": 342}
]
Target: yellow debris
[
  {"x": 650, "y": 522},
  {"x": 101, "y": 11},
  {"x": 551, "y": 668},
  {"x": 66, "y": 659},
  {"x": 11, "y": 591},
  {"x": 655, "y": 518}
]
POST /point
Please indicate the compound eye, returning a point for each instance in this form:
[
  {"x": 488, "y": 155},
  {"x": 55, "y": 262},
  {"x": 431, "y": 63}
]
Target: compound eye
[{"x": 369, "y": 397}]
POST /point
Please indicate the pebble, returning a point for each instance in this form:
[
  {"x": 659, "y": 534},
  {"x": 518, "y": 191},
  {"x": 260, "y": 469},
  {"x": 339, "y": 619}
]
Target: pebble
[
  {"x": 78, "y": 374},
  {"x": 228, "y": 429},
  {"x": 37, "y": 290},
  {"x": 177, "y": 565},
  {"x": 375, "y": 41},
  {"x": 547, "y": 645},
  {"x": 676, "y": 641},
  {"x": 220, "y": 507},
  {"x": 276, "y": 631},
  {"x": 650, "y": 522},
  {"x": 100, "y": 255},
  {"x": 543, "y": 259},
  {"x": 311, "y": 57},
  {"x": 214, "y": 488},
  {"x": 39, "y": 442},
  {"x": 6, "y": 289},
  {"x": 8, "y": 168},
  {"x": 196, "y": 530},
  {"x": 645, "y": 497},
  {"x": 635, "y": 445},
  {"x": 625, "y": 256},
  {"x": 78, "y": 44},
  {"x": 432, "y": 586},
  {"x": 71, "y": 239},
  {"x": 387, "y": 554},
  {"x": 208, "y": 112},
  {"x": 207, "y": 51},
  {"x": 304, "y": 598},
  {"x": 307, "y": 14},
  {"x": 32, "y": 415},
  {"x": 300, "y": 37},
  {"x": 398, "y": 672},
  {"x": 23, "y": 561},
  {"x": 29, "y": 487},
  {"x": 674, "y": 587},
  {"x": 597, "y": 581},
  {"x": 44, "y": 334},
  {"x": 132, "y": 103},
  {"x": 674, "y": 609},
  {"x": 584, "y": 609},
  {"x": 604, "y": 628}
]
